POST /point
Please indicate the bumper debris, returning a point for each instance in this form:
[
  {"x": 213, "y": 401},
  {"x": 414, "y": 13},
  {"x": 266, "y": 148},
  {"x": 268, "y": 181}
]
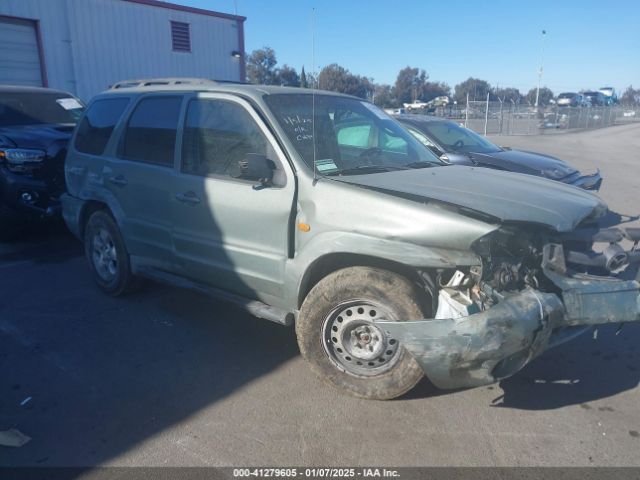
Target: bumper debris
[{"x": 485, "y": 347}]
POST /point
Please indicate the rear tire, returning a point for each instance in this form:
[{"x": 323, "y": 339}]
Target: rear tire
[
  {"x": 337, "y": 334},
  {"x": 107, "y": 255}
]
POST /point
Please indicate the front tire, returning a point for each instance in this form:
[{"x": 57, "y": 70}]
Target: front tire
[
  {"x": 107, "y": 255},
  {"x": 338, "y": 336}
]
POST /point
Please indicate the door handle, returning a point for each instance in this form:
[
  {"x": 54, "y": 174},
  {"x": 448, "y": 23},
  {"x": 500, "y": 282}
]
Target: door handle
[
  {"x": 118, "y": 180},
  {"x": 188, "y": 198}
]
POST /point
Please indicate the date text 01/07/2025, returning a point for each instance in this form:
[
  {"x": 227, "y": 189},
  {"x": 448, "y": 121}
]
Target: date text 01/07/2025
[{"x": 315, "y": 472}]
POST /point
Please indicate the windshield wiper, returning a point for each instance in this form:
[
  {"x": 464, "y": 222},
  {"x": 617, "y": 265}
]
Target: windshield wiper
[
  {"x": 367, "y": 169},
  {"x": 422, "y": 164}
]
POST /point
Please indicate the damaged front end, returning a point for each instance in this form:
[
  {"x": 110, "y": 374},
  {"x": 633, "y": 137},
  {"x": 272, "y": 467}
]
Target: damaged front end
[{"x": 532, "y": 291}]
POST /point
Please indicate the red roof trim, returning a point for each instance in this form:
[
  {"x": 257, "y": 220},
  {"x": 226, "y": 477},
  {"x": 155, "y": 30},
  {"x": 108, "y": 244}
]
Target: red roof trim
[{"x": 182, "y": 8}]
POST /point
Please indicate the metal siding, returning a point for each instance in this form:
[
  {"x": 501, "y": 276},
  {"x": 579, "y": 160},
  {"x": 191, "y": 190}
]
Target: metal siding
[
  {"x": 19, "y": 58},
  {"x": 91, "y": 44},
  {"x": 124, "y": 40},
  {"x": 55, "y": 39}
]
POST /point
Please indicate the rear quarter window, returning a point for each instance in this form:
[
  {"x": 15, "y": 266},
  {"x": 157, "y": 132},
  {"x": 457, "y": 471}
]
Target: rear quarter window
[{"x": 98, "y": 123}]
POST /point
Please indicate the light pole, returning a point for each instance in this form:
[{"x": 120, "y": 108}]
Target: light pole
[{"x": 544, "y": 32}]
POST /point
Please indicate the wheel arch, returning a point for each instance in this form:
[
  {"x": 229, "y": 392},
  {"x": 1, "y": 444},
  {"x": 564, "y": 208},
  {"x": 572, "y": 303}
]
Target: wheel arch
[
  {"x": 90, "y": 207},
  {"x": 332, "y": 262}
]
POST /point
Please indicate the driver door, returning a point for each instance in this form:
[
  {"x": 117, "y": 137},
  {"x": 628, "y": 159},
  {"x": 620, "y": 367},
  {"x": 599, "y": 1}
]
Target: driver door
[{"x": 227, "y": 233}]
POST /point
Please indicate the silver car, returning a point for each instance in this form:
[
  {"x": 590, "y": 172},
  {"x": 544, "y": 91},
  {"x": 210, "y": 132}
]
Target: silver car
[
  {"x": 570, "y": 99},
  {"x": 318, "y": 209}
]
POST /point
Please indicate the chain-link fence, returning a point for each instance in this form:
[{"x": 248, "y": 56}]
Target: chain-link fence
[{"x": 508, "y": 118}]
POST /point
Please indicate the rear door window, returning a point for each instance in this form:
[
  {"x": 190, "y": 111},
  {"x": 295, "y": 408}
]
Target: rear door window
[
  {"x": 150, "y": 135},
  {"x": 98, "y": 123}
]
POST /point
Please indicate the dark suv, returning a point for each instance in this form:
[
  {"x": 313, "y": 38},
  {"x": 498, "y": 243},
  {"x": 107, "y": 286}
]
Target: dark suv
[{"x": 35, "y": 127}]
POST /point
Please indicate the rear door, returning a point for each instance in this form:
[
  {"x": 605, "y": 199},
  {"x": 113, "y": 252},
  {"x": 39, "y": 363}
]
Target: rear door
[
  {"x": 140, "y": 176},
  {"x": 228, "y": 232}
]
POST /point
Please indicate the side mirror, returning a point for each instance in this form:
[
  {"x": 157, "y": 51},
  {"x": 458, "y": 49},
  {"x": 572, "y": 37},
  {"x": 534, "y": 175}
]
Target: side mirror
[
  {"x": 254, "y": 167},
  {"x": 436, "y": 150}
]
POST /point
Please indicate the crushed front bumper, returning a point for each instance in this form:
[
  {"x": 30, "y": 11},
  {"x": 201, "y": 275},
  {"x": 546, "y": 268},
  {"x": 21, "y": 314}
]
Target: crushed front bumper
[
  {"x": 26, "y": 195},
  {"x": 589, "y": 182},
  {"x": 496, "y": 343}
]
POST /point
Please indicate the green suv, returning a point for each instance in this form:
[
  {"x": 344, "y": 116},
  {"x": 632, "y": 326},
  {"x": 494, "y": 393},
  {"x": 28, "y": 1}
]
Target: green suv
[{"x": 318, "y": 209}]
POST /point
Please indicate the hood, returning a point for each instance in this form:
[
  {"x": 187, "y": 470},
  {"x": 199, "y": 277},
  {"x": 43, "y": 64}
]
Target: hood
[
  {"x": 509, "y": 197},
  {"x": 525, "y": 162},
  {"x": 35, "y": 136}
]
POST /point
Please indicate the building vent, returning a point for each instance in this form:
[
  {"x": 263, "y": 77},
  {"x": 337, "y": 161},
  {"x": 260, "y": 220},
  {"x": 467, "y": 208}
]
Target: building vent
[{"x": 180, "y": 37}]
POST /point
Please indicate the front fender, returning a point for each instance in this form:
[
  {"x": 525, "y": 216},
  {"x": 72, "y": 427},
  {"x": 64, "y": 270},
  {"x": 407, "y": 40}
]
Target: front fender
[{"x": 404, "y": 253}]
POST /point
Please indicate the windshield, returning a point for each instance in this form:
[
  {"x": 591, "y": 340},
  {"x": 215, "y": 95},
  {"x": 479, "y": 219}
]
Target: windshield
[
  {"x": 454, "y": 138},
  {"x": 351, "y": 136},
  {"x": 566, "y": 95},
  {"x": 33, "y": 108}
]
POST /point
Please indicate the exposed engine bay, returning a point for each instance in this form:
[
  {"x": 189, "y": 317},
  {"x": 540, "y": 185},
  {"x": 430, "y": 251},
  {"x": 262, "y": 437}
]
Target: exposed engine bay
[
  {"x": 514, "y": 259},
  {"x": 532, "y": 291}
]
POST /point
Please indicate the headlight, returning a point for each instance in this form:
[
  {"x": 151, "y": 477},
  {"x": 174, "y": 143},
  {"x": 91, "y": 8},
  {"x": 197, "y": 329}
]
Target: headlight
[
  {"x": 557, "y": 172},
  {"x": 21, "y": 159}
]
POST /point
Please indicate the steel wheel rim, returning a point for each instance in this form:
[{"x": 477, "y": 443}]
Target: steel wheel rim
[
  {"x": 104, "y": 255},
  {"x": 353, "y": 342}
]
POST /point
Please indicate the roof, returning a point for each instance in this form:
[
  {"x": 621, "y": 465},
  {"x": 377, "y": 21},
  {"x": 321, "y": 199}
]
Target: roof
[
  {"x": 30, "y": 89},
  {"x": 177, "y": 84},
  {"x": 161, "y": 82},
  {"x": 183, "y": 8}
]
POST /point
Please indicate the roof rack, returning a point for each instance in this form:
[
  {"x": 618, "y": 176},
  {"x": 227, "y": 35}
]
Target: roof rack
[{"x": 155, "y": 82}]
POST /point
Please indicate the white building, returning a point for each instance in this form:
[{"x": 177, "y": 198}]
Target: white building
[{"x": 84, "y": 46}]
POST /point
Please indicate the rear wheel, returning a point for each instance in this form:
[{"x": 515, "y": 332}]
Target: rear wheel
[
  {"x": 107, "y": 255},
  {"x": 338, "y": 333}
]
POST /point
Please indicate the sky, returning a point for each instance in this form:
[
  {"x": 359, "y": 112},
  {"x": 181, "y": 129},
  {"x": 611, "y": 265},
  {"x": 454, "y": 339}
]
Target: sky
[{"x": 588, "y": 44}]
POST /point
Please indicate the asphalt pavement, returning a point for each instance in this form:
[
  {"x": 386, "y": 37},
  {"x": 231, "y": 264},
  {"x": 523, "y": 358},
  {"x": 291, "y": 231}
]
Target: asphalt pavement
[{"x": 169, "y": 377}]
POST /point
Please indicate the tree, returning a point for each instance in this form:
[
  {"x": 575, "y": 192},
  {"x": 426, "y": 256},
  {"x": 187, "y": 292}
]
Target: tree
[
  {"x": 508, "y": 94},
  {"x": 543, "y": 99},
  {"x": 431, "y": 90},
  {"x": 261, "y": 66},
  {"x": 476, "y": 88},
  {"x": 287, "y": 76},
  {"x": 338, "y": 79},
  {"x": 630, "y": 97},
  {"x": 383, "y": 96},
  {"x": 307, "y": 80},
  {"x": 409, "y": 84}
]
